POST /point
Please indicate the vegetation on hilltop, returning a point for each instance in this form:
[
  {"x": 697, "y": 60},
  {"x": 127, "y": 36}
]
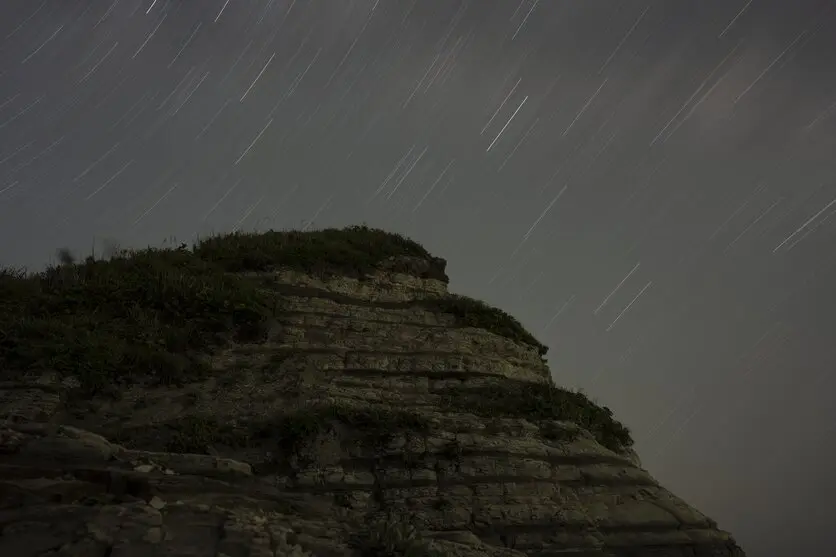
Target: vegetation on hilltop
[
  {"x": 156, "y": 309},
  {"x": 539, "y": 401},
  {"x": 151, "y": 315}
]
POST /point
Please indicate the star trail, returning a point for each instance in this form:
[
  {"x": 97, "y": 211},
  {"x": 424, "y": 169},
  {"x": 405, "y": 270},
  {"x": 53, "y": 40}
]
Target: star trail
[{"x": 648, "y": 186}]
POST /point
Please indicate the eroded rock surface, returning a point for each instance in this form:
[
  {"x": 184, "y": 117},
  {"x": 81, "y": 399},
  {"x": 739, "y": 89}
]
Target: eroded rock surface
[{"x": 343, "y": 433}]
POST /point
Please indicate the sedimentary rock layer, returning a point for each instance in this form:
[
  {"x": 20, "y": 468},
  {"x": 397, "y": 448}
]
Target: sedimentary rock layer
[{"x": 368, "y": 413}]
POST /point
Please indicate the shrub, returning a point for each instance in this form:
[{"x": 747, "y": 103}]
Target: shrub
[
  {"x": 538, "y": 401},
  {"x": 475, "y": 313},
  {"x": 392, "y": 536},
  {"x": 354, "y": 251},
  {"x": 141, "y": 315}
]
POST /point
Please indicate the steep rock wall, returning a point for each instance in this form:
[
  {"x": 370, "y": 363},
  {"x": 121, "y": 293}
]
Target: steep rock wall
[{"x": 373, "y": 413}]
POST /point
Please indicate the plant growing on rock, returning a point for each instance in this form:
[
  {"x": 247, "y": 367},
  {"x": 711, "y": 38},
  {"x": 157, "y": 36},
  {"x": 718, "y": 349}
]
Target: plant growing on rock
[
  {"x": 475, "y": 313},
  {"x": 154, "y": 315},
  {"x": 541, "y": 401},
  {"x": 393, "y": 536}
]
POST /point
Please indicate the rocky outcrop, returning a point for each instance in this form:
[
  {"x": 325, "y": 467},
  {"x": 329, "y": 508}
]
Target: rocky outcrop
[{"x": 304, "y": 394}]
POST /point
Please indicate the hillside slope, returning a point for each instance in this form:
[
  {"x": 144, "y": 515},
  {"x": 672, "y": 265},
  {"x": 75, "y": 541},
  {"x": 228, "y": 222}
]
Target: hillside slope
[{"x": 303, "y": 394}]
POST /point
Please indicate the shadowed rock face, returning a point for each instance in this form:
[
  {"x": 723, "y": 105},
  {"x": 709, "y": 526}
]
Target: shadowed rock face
[{"x": 374, "y": 415}]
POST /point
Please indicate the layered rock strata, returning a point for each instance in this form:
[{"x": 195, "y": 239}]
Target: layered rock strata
[{"x": 373, "y": 414}]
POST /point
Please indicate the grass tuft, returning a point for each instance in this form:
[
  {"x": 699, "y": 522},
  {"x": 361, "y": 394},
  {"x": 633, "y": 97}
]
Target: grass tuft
[
  {"x": 393, "y": 536},
  {"x": 537, "y": 401},
  {"x": 475, "y": 313}
]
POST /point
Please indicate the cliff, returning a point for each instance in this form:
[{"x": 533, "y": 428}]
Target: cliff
[{"x": 303, "y": 394}]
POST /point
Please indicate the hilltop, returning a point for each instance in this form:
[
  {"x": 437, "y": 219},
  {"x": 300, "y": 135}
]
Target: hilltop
[{"x": 304, "y": 393}]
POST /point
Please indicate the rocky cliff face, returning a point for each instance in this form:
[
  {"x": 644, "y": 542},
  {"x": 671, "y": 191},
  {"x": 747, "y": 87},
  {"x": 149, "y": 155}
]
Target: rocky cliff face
[{"x": 303, "y": 394}]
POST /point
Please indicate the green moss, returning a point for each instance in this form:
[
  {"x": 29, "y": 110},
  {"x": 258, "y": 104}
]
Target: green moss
[
  {"x": 475, "y": 313},
  {"x": 535, "y": 401}
]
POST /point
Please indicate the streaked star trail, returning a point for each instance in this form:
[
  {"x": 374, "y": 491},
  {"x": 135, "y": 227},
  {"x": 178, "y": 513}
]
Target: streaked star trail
[{"x": 647, "y": 185}]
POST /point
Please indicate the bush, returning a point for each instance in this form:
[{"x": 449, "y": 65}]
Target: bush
[
  {"x": 354, "y": 251},
  {"x": 141, "y": 315},
  {"x": 392, "y": 536},
  {"x": 538, "y": 401},
  {"x": 475, "y": 313}
]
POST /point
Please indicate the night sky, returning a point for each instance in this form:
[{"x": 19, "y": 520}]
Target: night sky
[{"x": 647, "y": 186}]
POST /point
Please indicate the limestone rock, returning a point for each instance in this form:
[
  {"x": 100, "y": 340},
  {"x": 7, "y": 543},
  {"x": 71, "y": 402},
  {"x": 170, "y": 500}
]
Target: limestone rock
[{"x": 359, "y": 409}]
